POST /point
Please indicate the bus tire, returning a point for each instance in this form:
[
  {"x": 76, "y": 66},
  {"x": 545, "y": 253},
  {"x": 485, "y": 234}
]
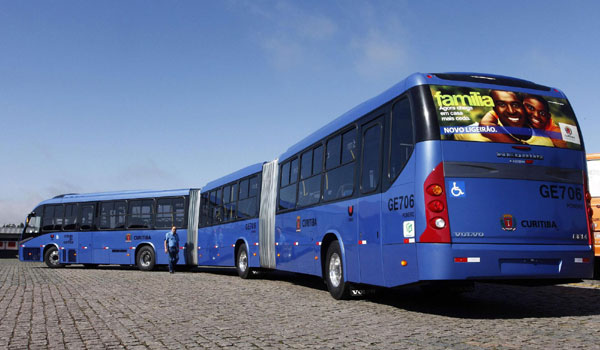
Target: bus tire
[
  {"x": 52, "y": 257},
  {"x": 241, "y": 262},
  {"x": 334, "y": 273},
  {"x": 145, "y": 259}
]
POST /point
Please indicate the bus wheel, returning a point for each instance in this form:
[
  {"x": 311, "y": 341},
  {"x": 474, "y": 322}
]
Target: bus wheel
[
  {"x": 51, "y": 257},
  {"x": 241, "y": 262},
  {"x": 145, "y": 259},
  {"x": 334, "y": 273}
]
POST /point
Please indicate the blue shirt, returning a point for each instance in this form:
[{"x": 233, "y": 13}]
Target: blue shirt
[{"x": 172, "y": 240}]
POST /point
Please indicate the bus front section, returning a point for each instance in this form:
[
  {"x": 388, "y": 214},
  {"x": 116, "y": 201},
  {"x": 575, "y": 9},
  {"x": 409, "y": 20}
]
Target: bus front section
[{"x": 505, "y": 191}]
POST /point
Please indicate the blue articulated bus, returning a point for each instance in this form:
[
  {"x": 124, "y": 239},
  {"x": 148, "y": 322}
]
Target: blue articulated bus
[
  {"x": 443, "y": 177},
  {"x": 125, "y": 228}
]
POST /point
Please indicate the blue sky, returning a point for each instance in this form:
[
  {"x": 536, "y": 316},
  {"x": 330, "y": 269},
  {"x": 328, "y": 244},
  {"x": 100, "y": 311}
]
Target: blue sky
[{"x": 111, "y": 95}]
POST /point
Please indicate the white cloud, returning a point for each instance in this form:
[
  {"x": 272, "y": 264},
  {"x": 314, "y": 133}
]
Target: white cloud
[
  {"x": 290, "y": 35},
  {"x": 377, "y": 54}
]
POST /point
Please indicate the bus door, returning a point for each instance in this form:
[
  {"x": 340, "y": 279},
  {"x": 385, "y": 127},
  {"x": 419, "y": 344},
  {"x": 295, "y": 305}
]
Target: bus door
[{"x": 369, "y": 204}]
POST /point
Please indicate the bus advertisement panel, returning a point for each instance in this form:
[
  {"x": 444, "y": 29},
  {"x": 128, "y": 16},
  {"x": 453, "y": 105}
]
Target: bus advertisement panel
[{"x": 489, "y": 115}]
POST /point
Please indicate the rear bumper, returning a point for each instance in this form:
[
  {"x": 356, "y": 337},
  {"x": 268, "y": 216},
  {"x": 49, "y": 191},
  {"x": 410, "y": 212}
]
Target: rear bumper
[{"x": 497, "y": 261}]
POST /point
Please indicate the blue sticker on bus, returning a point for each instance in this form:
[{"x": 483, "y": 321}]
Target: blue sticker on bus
[{"x": 458, "y": 189}]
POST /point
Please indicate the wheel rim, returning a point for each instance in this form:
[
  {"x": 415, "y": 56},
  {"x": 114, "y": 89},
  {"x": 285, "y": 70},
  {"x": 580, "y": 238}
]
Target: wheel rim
[
  {"x": 243, "y": 261},
  {"x": 146, "y": 259},
  {"x": 335, "y": 270},
  {"x": 54, "y": 258}
]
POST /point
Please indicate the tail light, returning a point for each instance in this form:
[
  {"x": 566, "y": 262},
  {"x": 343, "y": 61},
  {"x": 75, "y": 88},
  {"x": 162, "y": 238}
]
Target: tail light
[{"x": 436, "y": 211}]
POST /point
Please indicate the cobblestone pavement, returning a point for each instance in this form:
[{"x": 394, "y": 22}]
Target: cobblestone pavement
[{"x": 123, "y": 308}]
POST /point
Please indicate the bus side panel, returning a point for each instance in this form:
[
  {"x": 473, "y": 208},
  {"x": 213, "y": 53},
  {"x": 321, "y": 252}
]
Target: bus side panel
[
  {"x": 208, "y": 245},
  {"x": 297, "y": 235},
  {"x": 398, "y": 229},
  {"x": 295, "y": 250},
  {"x": 67, "y": 243},
  {"x": 119, "y": 248},
  {"x": 336, "y": 218},
  {"x": 248, "y": 229},
  {"x": 84, "y": 247}
]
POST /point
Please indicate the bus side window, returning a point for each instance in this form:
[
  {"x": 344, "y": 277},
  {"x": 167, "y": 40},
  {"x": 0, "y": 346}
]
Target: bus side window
[
  {"x": 48, "y": 218},
  {"x": 53, "y": 218},
  {"x": 287, "y": 190},
  {"x": 71, "y": 212},
  {"x": 203, "y": 210},
  {"x": 140, "y": 213},
  {"x": 309, "y": 190},
  {"x": 371, "y": 155},
  {"x": 340, "y": 164},
  {"x": 169, "y": 212},
  {"x": 86, "y": 218},
  {"x": 248, "y": 207},
  {"x": 106, "y": 211},
  {"x": 34, "y": 223},
  {"x": 402, "y": 139}
]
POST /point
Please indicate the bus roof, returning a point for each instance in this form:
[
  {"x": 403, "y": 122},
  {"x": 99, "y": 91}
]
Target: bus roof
[
  {"x": 475, "y": 80},
  {"x": 249, "y": 170},
  {"x": 104, "y": 196}
]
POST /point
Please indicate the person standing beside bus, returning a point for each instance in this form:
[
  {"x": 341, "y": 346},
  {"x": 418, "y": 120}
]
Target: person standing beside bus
[{"x": 172, "y": 248}]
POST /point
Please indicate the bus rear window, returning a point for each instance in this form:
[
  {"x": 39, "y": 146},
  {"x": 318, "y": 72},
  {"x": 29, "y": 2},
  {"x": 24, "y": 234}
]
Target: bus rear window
[{"x": 495, "y": 115}]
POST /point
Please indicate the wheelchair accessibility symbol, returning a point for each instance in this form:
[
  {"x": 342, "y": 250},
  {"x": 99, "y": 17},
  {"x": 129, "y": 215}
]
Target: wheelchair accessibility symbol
[{"x": 458, "y": 189}]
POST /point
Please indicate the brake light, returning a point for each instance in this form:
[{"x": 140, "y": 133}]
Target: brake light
[
  {"x": 436, "y": 206},
  {"x": 436, "y": 213}
]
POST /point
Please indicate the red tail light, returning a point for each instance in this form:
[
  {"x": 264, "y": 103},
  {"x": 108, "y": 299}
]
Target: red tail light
[
  {"x": 436, "y": 212},
  {"x": 436, "y": 206}
]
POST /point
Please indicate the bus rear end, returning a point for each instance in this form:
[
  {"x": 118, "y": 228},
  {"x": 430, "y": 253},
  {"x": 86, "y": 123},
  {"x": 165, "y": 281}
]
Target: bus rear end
[{"x": 506, "y": 196}]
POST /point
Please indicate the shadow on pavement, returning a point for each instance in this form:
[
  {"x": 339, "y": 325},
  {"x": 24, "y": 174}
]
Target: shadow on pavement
[{"x": 497, "y": 301}]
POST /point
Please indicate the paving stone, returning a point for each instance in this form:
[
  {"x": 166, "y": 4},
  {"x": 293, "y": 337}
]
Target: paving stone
[{"x": 117, "y": 307}]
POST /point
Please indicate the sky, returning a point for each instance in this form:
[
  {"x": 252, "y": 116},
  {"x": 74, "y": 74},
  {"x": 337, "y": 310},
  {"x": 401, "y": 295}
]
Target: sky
[{"x": 116, "y": 95}]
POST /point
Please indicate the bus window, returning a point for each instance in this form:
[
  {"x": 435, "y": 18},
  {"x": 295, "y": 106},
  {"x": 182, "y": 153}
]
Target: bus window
[
  {"x": 53, "y": 218},
  {"x": 105, "y": 210},
  {"x": 169, "y": 212},
  {"x": 339, "y": 180},
  {"x": 333, "y": 152},
  {"x": 306, "y": 164},
  {"x": 248, "y": 208},
  {"x": 140, "y": 213},
  {"x": 309, "y": 191},
  {"x": 287, "y": 192},
  {"x": 227, "y": 203},
  {"x": 48, "y": 218},
  {"x": 371, "y": 156},
  {"x": 402, "y": 137},
  {"x": 71, "y": 211},
  {"x": 317, "y": 160},
  {"x": 285, "y": 174},
  {"x": 33, "y": 223},
  {"x": 86, "y": 218},
  {"x": 349, "y": 146}
]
